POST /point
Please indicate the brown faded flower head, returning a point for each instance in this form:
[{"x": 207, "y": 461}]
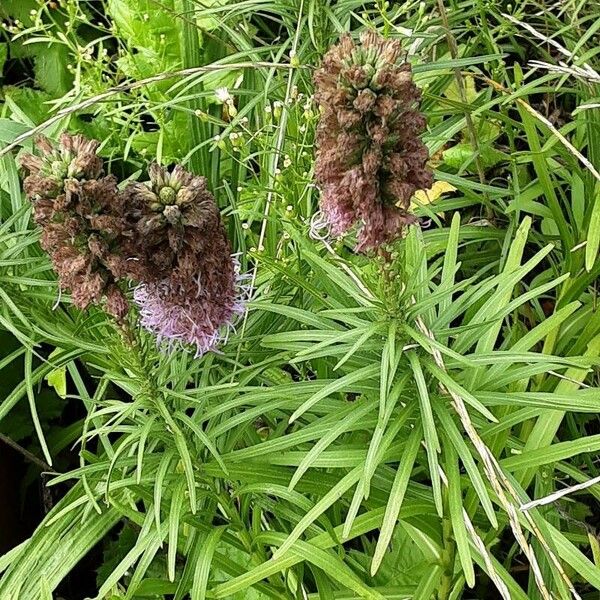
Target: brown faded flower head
[
  {"x": 174, "y": 221},
  {"x": 189, "y": 284},
  {"x": 165, "y": 235},
  {"x": 75, "y": 207},
  {"x": 370, "y": 157}
]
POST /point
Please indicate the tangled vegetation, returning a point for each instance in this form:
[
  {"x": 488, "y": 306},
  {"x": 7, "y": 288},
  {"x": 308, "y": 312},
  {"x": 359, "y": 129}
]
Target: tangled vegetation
[{"x": 299, "y": 299}]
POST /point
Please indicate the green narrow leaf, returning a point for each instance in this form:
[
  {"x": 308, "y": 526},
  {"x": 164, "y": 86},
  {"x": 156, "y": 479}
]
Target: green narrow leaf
[
  {"x": 163, "y": 467},
  {"x": 45, "y": 591},
  {"x": 144, "y": 540},
  {"x": 455, "y": 508},
  {"x": 593, "y": 236},
  {"x": 188, "y": 468},
  {"x": 345, "y": 424},
  {"x": 429, "y": 582},
  {"x": 203, "y": 439},
  {"x": 202, "y": 568},
  {"x": 360, "y": 342},
  {"x": 335, "y": 386},
  {"x": 456, "y": 439},
  {"x": 174, "y": 518},
  {"x": 453, "y": 386},
  {"x": 549, "y": 421},
  {"x": 144, "y": 433},
  {"x": 332, "y": 496},
  {"x": 432, "y": 442},
  {"x": 394, "y": 504},
  {"x": 449, "y": 268},
  {"x": 335, "y": 568},
  {"x": 539, "y": 160},
  {"x": 32, "y": 407},
  {"x": 144, "y": 564},
  {"x": 388, "y": 368},
  {"x": 503, "y": 294},
  {"x": 364, "y": 523},
  {"x": 375, "y": 457}
]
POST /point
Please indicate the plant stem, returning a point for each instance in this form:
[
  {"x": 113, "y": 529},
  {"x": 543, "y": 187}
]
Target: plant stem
[
  {"x": 461, "y": 90},
  {"x": 191, "y": 55},
  {"x": 28, "y": 455},
  {"x": 448, "y": 554}
]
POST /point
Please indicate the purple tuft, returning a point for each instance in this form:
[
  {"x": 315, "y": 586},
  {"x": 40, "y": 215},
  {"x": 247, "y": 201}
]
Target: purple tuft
[{"x": 190, "y": 317}]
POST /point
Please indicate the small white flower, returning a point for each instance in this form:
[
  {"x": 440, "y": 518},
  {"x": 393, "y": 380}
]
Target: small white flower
[{"x": 223, "y": 95}]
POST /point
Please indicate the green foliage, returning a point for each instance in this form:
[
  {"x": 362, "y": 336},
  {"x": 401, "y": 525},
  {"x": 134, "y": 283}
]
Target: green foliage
[
  {"x": 374, "y": 425},
  {"x": 152, "y": 33}
]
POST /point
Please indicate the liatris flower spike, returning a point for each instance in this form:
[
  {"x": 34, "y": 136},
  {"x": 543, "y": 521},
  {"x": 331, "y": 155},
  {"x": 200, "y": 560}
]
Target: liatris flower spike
[
  {"x": 190, "y": 291},
  {"x": 370, "y": 158},
  {"x": 74, "y": 205}
]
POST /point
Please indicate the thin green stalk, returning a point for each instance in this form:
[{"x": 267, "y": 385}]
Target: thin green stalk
[
  {"x": 191, "y": 55},
  {"x": 448, "y": 553},
  {"x": 461, "y": 90}
]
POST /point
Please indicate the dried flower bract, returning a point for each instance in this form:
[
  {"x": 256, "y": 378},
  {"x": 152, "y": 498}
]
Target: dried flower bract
[
  {"x": 74, "y": 204},
  {"x": 370, "y": 157}
]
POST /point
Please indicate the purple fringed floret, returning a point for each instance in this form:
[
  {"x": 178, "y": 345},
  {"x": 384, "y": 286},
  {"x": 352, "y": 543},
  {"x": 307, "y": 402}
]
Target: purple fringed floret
[{"x": 190, "y": 317}]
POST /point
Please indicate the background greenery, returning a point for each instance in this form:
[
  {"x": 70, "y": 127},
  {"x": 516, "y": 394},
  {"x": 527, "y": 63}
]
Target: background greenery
[{"x": 371, "y": 429}]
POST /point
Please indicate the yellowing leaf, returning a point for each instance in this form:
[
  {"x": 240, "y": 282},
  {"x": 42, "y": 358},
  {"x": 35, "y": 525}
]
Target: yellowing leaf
[
  {"x": 432, "y": 194},
  {"x": 595, "y": 546}
]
